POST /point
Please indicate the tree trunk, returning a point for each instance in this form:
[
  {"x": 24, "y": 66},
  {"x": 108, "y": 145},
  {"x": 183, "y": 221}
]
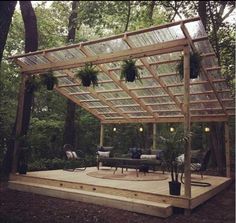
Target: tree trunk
[
  {"x": 128, "y": 16},
  {"x": 69, "y": 128},
  {"x": 202, "y": 12},
  {"x": 7, "y": 9},
  {"x": 31, "y": 44}
]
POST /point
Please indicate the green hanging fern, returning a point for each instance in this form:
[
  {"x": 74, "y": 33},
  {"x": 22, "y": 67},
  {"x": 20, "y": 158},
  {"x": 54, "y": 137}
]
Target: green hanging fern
[
  {"x": 88, "y": 75},
  {"x": 195, "y": 65},
  {"x": 49, "y": 80},
  {"x": 129, "y": 71}
]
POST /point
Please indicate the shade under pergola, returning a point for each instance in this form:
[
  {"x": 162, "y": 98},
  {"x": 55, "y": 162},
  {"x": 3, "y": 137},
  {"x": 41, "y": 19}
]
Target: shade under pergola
[{"x": 160, "y": 96}]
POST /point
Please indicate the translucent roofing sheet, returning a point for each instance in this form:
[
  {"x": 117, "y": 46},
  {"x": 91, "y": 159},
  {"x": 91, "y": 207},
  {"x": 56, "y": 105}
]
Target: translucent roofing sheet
[{"x": 157, "y": 51}]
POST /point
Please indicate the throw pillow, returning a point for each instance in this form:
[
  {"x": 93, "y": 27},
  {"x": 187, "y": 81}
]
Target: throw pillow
[{"x": 104, "y": 154}]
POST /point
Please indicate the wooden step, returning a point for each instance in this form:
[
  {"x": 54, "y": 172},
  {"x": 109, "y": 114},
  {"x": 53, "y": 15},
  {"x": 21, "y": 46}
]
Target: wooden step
[{"x": 119, "y": 202}]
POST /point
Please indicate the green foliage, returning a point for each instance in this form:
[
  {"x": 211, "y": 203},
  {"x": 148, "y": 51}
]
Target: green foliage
[
  {"x": 195, "y": 64},
  {"x": 49, "y": 80},
  {"x": 88, "y": 75},
  {"x": 129, "y": 71},
  {"x": 174, "y": 147}
]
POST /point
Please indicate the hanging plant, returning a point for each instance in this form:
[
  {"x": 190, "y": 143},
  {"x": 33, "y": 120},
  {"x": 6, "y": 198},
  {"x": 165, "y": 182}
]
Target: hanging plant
[
  {"x": 88, "y": 75},
  {"x": 129, "y": 71},
  {"x": 49, "y": 80},
  {"x": 32, "y": 84},
  {"x": 195, "y": 64}
]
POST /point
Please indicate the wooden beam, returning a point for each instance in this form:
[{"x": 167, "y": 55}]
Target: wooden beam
[
  {"x": 190, "y": 41},
  {"x": 87, "y": 108},
  {"x": 154, "y": 135},
  {"x": 155, "y": 77},
  {"x": 153, "y": 28},
  {"x": 20, "y": 112},
  {"x": 102, "y": 134},
  {"x": 170, "y": 46},
  {"x": 227, "y": 149},
  {"x": 187, "y": 118},
  {"x": 100, "y": 97},
  {"x": 123, "y": 87}
]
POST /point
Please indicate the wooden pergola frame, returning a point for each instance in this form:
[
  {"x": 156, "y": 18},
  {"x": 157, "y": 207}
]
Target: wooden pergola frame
[{"x": 95, "y": 100}]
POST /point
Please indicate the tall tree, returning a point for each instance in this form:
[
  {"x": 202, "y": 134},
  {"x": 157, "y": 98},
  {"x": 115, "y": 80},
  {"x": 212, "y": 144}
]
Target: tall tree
[
  {"x": 7, "y": 9},
  {"x": 69, "y": 129},
  {"x": 31, "y": 44}
]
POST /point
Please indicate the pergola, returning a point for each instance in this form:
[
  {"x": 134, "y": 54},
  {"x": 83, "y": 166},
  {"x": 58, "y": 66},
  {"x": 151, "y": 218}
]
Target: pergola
[{"x": 161, "y": 97}]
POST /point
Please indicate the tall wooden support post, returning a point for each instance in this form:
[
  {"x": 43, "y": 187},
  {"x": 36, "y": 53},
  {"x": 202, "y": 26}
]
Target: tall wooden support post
[
  {"x": 227, "y": 149},
  {"x": 187, "y": 146},
  {"x": 19, "y": 120},
  {"x": 101, "y": 135},
  {"x": 154, "y": 136}
]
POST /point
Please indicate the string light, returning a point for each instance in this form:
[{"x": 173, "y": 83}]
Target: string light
[
  {"x": 172, "y": 129},
  {"x": 141, "y": 129},
  {"x": 114, "y": 129},
  {"x": 207, "y": 129}
]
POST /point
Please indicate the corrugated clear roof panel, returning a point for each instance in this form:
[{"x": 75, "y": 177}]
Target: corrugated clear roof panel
[
  {"x": 195, "y": 29},
  {"x": 204, "y": 46},
  {"x": 220, "y": 86},
  {"x": 157, "y": 100},
  {"x": 106, "y": 47},
  {"x": 165, "y": 68},
  {"x": 133, "y": 108},
  {"x": 147, "y": 92},
  {"x": 140, "y": 115},
  {"x": 164, "y": 57},
  {"x": 170, "y": 114},
  {"x": 177, "y": 89},
  {"x": 107, "y": 86},
  {"x": 115, "y": 95},
  {"x": 85, "y": 97},
  {"x": 64, "y": 80},
  {"x": 209, "y": 62},
  {"x": 62, "y": 55},
  {"x": 169, "y": 107},
  {"x": 124, "y": 102},
  {"x": 72, "y": 89},
  {"x": 214, "y": 74},
  {"x": 25, "y": 60},
  {"x": 104, "y": 110},
  {"x": 171, "y": 79},
  {"x": 157, "y": 36},
  {"x": 91, "y": 104}
]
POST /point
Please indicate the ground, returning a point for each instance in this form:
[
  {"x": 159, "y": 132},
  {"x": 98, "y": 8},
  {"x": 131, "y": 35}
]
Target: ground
[{"x": 19, "y": 207}]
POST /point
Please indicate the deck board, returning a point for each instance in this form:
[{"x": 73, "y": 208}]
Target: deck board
[{"x": 155, "y": 191}]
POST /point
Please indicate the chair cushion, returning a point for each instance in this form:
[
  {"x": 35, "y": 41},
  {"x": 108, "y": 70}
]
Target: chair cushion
[
  {"x": 74, "y": 155},
  {"x": 104, "y": 154},
  {"x": 69, "y": 154}
]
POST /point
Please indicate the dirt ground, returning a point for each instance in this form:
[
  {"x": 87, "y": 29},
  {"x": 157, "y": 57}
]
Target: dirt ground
[{"x": 19, "y": 207}]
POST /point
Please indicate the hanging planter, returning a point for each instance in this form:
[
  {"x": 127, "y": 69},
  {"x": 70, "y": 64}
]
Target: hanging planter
[
  {"x": 49, "y": 80},
  {"x": 195, "y": 64},
  {"x": 88, "y": 75},
  {"x": 32, "y": 84},
  {"x": 129, "y": 71}
]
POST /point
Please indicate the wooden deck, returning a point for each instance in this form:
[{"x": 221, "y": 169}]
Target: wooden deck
[{"x": 148, "y": 197}]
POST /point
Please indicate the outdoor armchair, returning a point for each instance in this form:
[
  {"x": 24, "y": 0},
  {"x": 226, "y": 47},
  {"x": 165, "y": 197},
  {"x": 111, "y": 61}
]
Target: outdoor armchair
[{"x": 76, "y": 157}]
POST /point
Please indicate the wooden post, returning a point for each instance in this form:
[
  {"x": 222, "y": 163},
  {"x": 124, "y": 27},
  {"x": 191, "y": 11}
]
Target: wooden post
[
  {"x": 18, "y": 122},
  {"x": 154, "y": 136},
  {"x": 101, "y": 135},
  {"x": 187, "y": 146},
  {"x": 227, "y": 149}
]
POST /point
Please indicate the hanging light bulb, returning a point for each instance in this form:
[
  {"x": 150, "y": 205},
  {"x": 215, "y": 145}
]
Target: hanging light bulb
[
  {"x": 207, "y": 129},
  {"x": 172, "y": 129},
  {"x": 114, "y": 129},
  {"x": 141, "y": 129}
]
